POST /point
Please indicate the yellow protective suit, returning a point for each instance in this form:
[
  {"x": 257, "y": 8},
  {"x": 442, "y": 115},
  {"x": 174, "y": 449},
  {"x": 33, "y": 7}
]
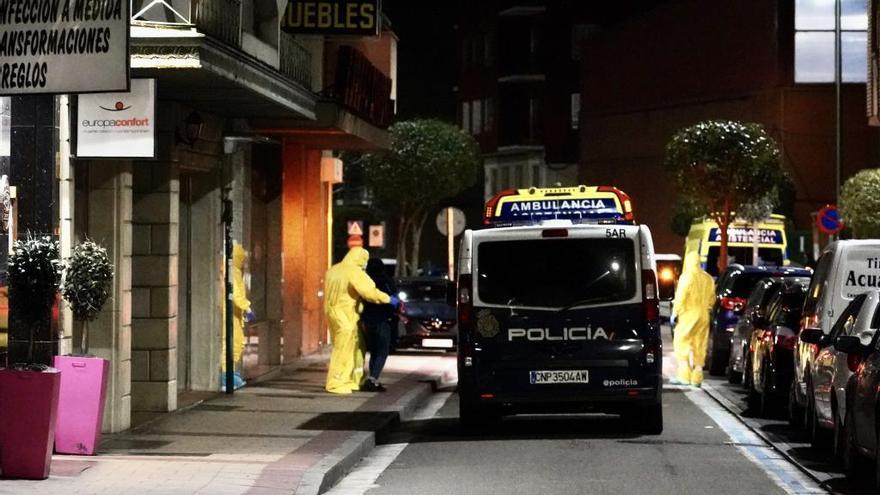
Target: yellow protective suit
[
  {"x": 693, "y": 301},
  {"x": 240, "y": 306},
  {"x": 345, "y": 286}
]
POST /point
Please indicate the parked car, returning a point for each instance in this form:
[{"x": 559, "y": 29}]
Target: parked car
[
  {"x": 731, "y": 290},
  {"x": 845, "y": 270},
  {"x": 427, "y": 319},
  {"x": 861, "y": 415},
  {"x": 755, "y": 309},
  {"x": 771, "y": 357}
]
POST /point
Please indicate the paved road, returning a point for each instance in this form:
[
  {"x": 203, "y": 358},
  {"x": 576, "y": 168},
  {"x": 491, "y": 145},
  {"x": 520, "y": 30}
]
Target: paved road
[{"x": 704, "y": 449}]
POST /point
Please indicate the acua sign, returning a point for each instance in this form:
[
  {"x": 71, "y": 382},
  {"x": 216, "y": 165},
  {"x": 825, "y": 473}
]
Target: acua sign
[{"x": 332, "y": 17}]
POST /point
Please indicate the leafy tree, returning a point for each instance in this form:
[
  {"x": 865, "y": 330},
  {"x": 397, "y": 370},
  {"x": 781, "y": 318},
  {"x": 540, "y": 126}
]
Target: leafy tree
[
  {"x": 860, "y": 203},
  {"x": 34, "y": 274},
  {"x": 87, "y": 284},
  {"x": 722, "y": 166},
  {"x": 429, "y": 161}
]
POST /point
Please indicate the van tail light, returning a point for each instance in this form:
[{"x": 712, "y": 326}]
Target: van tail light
[
  {"x": 649, "y": 296},
  {"x": 465, "y": 301},
  {"x": 735, "y": 304},
  {"x": 785, "y": 339}
]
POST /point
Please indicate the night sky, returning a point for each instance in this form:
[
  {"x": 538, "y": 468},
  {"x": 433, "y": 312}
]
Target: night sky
[{"x": 427, "y": 57}]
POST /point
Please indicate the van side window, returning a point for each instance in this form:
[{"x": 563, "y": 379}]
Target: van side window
[{"x": 818, "y": 283}]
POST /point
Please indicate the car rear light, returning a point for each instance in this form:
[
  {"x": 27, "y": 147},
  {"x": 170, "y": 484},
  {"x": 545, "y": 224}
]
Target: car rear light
[
  {"x": 853, "y": 361},
  {"x": 649, "y": 296},
  {"x": 735, "y": 304},
  {"x": 786, "y": 341},
  {"x": 767, "y": 336},
  {"x": 555, "y": 233},
  {"x": 465, "y": 302}
]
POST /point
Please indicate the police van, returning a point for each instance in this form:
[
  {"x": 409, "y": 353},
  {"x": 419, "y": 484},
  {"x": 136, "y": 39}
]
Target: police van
[{"x": 558, "y": 309}]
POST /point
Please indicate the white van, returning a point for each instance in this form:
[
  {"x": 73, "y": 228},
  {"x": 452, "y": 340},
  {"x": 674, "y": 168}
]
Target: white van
[{"x": 845, "y": 270}]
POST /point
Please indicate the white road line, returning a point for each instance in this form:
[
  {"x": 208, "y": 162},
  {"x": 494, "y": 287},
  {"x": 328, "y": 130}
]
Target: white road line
[
  {"x": 779, "y": 469},
  {"x": 363, "y": 477}
]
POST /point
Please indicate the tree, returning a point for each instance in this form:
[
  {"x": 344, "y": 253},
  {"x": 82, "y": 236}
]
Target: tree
[
  {"x": 721, "y": 166},
  {"x": 429, "y": 161},
  {"x": 860, "y": 203}
]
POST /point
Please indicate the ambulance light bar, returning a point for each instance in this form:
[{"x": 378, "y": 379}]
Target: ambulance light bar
[{"x": 581, "y": 204}]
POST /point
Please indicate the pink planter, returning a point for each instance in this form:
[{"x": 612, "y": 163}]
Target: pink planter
[
  {"x": 81, "y": 403},
  {"x": 28, "y": 408}
]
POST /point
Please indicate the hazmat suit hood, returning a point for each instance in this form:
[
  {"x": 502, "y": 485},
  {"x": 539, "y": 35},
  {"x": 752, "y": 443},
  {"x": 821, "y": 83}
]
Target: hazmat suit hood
[
  {"x": 238, "y": 256},
  {"x": 691, "y": 263},
  {"x": 357, "y": 256}
]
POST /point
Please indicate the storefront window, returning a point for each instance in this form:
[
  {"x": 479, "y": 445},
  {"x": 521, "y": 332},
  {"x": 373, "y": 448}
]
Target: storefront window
[
  {"x": 814, "y": 41},
  {"x": 5, "y": 135}
]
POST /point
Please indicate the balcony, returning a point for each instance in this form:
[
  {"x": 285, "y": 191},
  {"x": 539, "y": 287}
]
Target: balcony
[
  {"x": 295, "y": 60},
  {"x": 220, "y": 19},
  {"x": 362, "y": 88}
]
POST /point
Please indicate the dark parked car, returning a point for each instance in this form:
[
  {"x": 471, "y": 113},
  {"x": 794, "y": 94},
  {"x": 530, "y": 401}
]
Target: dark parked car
[
  {"x": 754, "y": 310},
  {"x": 861, "y": 344},
  {"x": 731, "y": 291},
  {"x": 427, "y": 319},
  {"x": 770, "y": 369}
]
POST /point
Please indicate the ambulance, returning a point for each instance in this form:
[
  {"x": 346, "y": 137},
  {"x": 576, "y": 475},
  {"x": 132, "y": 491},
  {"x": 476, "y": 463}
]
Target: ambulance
[
  {"x": 558, "y": 309},
  {"x": 704, "y": 238}
]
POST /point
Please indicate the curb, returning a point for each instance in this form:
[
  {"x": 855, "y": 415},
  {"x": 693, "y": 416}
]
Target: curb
[
  {"x": 732, "y": 409},
  {"x": 327, "y": 472}
]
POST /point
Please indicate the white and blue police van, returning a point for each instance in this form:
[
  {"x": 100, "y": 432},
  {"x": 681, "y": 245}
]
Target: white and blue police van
[{"x": 558, "y": 309}]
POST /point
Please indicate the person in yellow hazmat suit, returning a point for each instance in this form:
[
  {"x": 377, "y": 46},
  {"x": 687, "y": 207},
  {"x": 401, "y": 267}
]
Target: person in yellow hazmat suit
[
  {"x": 241, "y": 313},
  {"x": 690, "y": 309},
  {"x": 346, "y": 285}
]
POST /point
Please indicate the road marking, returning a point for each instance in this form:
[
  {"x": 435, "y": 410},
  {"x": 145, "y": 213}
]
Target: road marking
[
  {"x": 363, "y": 477},
  {"x": 778, "y": 468}
]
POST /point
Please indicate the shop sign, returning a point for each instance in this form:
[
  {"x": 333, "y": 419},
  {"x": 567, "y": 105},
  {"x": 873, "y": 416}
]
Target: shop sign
[
  {"x": 118, "y": 125},
  {"x": 332, "y": 17},
  {"x": 63, "y": 46}
]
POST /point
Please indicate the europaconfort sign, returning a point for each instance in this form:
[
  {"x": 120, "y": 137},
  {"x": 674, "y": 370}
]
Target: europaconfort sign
[
  {"x": 333, "y": 17},
  {"x": 63, "y": 46}
]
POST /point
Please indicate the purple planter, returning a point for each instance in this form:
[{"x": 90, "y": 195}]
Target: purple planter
[
  {"x": 81, "y": 403},
  {"x": 28, "y": 408}
]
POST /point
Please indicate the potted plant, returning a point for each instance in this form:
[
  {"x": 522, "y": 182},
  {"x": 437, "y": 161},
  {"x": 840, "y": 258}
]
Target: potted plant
[
  {"x": 29, "y": 390},
  {"x": 86, "y": 288}
]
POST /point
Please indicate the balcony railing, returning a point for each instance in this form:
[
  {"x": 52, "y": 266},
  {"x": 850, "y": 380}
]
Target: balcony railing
[
  {"x": 362, "y": 88},
  {"x": 220, "y": 19},
  {"x": 296, "y": 61}
]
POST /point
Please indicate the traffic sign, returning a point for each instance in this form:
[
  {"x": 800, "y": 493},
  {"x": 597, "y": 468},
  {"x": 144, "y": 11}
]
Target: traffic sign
[
  {"x": 355, "y": 227},
  {"x": 458, "y": 221},
  {"x": 377, "y": 236},
  {"x": 828, "y": 220}
]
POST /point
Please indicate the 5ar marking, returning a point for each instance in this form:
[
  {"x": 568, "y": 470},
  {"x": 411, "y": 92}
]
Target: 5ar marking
[{"x": 615, "y": 233}]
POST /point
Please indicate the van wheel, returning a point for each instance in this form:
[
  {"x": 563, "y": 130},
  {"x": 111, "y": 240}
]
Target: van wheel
[
  {"x": 854, "y": 464},
  {"x": 647, "y": 420},
  {"x": 475, "y": 419},
  {"x": 819, "y": 437}
]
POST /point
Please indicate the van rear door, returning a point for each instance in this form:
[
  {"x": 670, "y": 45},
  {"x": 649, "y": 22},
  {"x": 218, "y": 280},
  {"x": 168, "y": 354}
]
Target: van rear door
[{"x": 560, "y": 299}]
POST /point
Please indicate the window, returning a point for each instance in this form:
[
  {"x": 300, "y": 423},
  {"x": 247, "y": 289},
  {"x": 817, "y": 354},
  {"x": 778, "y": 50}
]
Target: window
[
  {"x": 505, "y": 177},
  {"x": 487, "y": 47},
  {"x": 489, "y": 115},
  {"x": 536, "y": 176},
  {"x": 519, "y": 176},
  {"x": 595, "y": 271},
  {"x": 814, "y": 41},
  {"x": 575, "y": 110},
  {"x": 466, "y": 116},
  {"x": 478, "y": 117}
]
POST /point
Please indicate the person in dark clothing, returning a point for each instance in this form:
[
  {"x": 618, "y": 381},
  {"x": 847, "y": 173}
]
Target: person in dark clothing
[{"x": 380, "y": 320}]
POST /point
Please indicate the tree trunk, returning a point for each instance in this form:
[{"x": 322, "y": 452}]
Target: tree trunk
[
  {"x": 417, "y": 226},
  {"x": 756, "y": 241},
  {"x": 402, "y": 238}
]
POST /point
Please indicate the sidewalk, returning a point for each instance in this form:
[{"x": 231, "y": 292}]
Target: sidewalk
[{"x": 282, "y": 436}]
